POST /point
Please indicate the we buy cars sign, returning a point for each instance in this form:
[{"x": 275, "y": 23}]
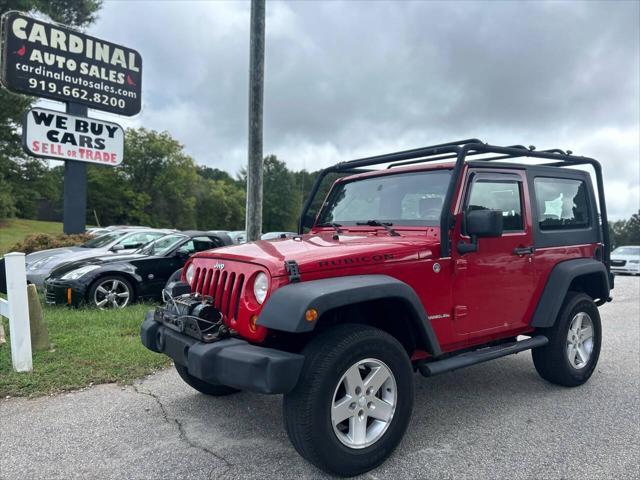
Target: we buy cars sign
[
  {"x": 57, "y": 135},
  {"x": 53, "y": 61}
]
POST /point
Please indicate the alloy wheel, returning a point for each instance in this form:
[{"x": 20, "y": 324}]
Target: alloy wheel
[
  {"x": 580, "y": 340},
  {"x": 363, "y": 403},
  {"x": 112, "y": 293}
]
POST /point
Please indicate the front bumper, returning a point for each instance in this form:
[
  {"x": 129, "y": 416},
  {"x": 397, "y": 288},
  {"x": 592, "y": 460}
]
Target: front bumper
[
  {"x": 628, "y": 268},
  {"x": 57, "y": 292},
  {"x": 231, "y": 362}
]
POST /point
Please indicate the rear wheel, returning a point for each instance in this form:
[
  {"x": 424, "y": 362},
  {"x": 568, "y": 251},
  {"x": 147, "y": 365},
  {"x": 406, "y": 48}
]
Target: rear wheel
[
  {"x": 204, "y": 387},
  {"x": 353, "y": 401},
  {"x": 572, "y": 353}
]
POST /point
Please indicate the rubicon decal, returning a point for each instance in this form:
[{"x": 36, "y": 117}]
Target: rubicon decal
[
  {"x": 57, "y": 62},
  {"x": 342, "y": 262},
  {"x": 51, "y": 134}
]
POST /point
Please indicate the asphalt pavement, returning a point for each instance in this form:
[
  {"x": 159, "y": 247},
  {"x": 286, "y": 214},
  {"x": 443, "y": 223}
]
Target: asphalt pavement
[{"x": 495, "y": 420}]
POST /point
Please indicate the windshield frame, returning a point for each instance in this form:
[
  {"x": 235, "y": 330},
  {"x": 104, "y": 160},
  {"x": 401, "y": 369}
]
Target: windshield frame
[{"x": 398, "y": 223}]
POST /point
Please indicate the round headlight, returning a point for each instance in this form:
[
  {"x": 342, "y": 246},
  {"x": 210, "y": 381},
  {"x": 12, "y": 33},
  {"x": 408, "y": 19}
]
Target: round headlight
[
  {"x": 260, "y": 287},
  {"x": 191, "y": 271}
]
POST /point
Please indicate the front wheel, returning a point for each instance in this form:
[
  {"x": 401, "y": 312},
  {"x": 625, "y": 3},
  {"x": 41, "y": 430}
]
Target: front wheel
[
  {"x": 572, "y": 353},
  {"x": 111, "y": 292},
  {"x": 353, "y": 401}
]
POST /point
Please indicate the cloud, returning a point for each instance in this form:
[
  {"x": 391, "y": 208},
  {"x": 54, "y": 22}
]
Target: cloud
[{"x": 347, "y": 79}]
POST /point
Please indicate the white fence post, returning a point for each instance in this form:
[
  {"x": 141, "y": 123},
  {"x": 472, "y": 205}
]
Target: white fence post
[{"x": 16, "y": 308}]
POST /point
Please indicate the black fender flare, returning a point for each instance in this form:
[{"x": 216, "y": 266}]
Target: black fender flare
[
  {"x": 285, "y": 308},
  {"x": 558, "y": 285}
]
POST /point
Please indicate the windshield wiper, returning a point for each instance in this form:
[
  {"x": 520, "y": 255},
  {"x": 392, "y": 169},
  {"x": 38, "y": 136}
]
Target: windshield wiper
[
  {"x": 378, "y": 223},
  {"x": 335, "y": 226}
]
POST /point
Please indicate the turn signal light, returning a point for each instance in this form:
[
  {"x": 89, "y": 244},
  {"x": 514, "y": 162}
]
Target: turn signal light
[
  {"x": 69, "y": 296},
  {"x": 311, "y": 315},
  {"x": 253, "y": 326}
]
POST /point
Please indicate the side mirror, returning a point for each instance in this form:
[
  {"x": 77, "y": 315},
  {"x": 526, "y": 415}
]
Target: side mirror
[
  {"x": 184, "y": 254},
  {"x": 117, "y": 248},
  {"x": 130, "y": 246},
  {"x": 484, "y": 223},
  {"x": 480, "y": 223}
]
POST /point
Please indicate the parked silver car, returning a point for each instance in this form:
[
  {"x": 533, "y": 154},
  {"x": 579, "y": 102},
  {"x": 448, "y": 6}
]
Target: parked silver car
[
  {"x": 626, "y": 259},
  {"x": 39, "y": 264}
]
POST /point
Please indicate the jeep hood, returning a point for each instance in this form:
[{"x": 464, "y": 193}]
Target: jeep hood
[{"x": 319, "y": 251}]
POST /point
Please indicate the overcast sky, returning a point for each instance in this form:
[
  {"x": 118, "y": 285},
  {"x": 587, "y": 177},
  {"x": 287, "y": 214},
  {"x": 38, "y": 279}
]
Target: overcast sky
[{"x": 348, "y": 79}]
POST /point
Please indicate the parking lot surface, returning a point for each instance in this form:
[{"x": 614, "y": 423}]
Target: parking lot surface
[{"x": 495, "y": 420}]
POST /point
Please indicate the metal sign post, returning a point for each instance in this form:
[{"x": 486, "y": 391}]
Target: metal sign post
[{"x": 75, "y": 186}]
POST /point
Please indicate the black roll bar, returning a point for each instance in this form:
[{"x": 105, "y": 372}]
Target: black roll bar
[{"x": 460, "y": 150}]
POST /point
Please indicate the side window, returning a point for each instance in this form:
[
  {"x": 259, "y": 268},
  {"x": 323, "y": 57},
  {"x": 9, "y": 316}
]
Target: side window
[
  {"x": 188, "y": 247},
  {"x": 499, "y": 195},
  {"x": 562, "y": 203},
  {"x": 198, "y": 244}
]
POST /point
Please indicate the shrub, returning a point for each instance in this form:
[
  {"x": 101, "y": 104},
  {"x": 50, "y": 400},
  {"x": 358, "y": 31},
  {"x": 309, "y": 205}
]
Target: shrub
[{"x": 42, "y": 241}]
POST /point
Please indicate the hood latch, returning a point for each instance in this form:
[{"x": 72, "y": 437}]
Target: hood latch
[{"x": 291, "y": 266}]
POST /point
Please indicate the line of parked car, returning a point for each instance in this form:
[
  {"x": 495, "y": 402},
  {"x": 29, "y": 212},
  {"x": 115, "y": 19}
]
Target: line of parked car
[{"x": 122, "y": 264}]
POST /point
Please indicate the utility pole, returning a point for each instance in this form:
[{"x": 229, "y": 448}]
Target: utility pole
[{"x": 256, "y": 94}]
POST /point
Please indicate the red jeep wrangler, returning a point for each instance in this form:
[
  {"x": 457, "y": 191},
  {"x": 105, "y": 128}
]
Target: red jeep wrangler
[{"x": 451, "y": 256}]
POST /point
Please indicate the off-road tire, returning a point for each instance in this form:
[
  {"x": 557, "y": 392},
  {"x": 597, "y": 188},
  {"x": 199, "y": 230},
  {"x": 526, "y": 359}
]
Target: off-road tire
[
  {"x": 307, "y": 409},
  {"x": 552, "y": 361},
  {"x": 204, "y": 387}
]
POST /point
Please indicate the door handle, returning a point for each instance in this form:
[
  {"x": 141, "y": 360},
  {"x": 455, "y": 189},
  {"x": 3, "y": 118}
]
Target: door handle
[{"x": 523, "y": 251}]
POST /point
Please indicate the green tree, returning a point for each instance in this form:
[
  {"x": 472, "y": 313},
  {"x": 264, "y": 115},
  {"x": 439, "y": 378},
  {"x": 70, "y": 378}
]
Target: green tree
[
  {"x": 282, "y": 197},
  {"x": 156, "y": 165},
  {"x": 220, "y": 205}
]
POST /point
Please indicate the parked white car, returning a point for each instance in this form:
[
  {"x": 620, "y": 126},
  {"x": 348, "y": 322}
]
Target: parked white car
[{"x": 626, "y": 259}]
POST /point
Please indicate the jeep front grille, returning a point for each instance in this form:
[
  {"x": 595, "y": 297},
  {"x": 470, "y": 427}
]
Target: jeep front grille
[{"x": 224, "y": 286}]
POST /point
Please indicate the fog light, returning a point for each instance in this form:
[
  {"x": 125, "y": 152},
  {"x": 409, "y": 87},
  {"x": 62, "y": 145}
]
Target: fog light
[
  {"x": 311, "y": 315},
  {"x": 69, "y": 296},
  {"x": 253, "y": 326}
]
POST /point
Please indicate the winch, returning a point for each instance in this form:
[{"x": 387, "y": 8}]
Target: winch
[{"x": 192, "y": 314}]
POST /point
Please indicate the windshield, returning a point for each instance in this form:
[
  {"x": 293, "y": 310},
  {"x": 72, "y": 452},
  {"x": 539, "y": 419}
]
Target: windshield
[
  {"x": 102, "y": 240},
  {"x": 162, "y": 246},
  {"x": 413, "y": 199},
  {"x": 627, "y": 251}
]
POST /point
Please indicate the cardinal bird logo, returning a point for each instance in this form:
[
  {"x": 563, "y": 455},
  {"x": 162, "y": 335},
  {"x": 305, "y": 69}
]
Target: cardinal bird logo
[
  {"x": 130, "y": 81},
  {"x": 21, "y": 51}
]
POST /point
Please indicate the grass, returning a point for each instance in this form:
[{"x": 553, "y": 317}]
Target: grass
[
  {"x": 14, "y": 230},
  {"x": 89, "y": 347}
]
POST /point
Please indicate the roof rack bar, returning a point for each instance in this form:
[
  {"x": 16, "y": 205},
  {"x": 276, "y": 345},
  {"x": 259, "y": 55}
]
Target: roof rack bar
[
  {"x": 405, "y": 155},
  {"x": 431, "y": 159}
]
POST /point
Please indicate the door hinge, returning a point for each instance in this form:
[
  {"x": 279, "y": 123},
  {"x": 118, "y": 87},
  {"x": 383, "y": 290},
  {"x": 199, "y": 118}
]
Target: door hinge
[{"x": 291, "y": 266}]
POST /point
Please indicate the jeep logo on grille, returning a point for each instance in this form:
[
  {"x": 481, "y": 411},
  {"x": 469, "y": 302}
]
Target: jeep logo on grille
[{"x": 219, "y": 266}]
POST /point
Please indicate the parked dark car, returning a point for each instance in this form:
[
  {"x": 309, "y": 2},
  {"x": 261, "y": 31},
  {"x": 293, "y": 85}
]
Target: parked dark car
[
  {"x": 40, "y": 264},
  {"x": 115, "y": 281}
]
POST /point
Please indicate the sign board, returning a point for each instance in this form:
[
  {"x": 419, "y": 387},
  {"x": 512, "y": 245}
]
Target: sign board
[
  {"x": 53, "y": 61},
  {"x": 60, "y": 136}
]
